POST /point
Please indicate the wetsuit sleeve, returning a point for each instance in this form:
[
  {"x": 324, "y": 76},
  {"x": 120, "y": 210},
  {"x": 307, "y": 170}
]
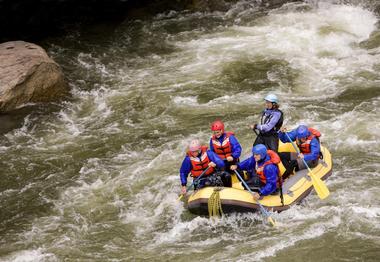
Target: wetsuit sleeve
[
  {"x": 276, "y": 115},
  {"x": 314, "y": 150},
  {"x": 216, "y": 159},
  {"x": 270, "y": 172},
  {"x": 235, "y": 147},
  {"x": 185, "y": 170},
  {"x": 283, "y": 137},
  {"x": 211, "y": 146},
  {"x": 248, "y": 164}
]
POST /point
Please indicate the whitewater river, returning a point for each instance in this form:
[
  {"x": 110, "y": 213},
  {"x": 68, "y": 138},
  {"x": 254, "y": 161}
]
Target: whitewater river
[{"x": 95, "y": 178}]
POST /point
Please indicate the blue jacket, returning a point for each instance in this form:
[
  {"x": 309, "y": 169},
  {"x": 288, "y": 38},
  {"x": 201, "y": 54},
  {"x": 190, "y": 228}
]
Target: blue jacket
[
  {"x": 186, "y": 165},
  {"x": 273, "y": 116},
  {"x": 270, "y": 173},
  {"x": 235, "y": 146},
  {"x": 315, "y": 147}
]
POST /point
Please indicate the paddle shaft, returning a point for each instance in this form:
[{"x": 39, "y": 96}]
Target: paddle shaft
[
  {"x": 298, "y": 152},
  {"x": 262, "y": 209},
  {"x": 254, "y": 130},
  {"x": 194, "y": 180}
]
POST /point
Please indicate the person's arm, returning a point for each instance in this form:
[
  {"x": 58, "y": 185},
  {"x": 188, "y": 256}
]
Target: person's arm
[
  {"x": 185, "y": 170},
  {"x": 270, "y": 172},
  {"x": 276, "y": 115},
  {"x": 248, "y": 164},
  {"x": 284, "y": 138},
  {"x": 314, "y": 150},
  {"x": 216, "y": 159},
  {"x": 211, "y": 146},
  {"x": 235, "y": 147}
]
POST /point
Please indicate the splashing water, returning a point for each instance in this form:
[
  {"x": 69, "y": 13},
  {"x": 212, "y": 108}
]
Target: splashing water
[{"x": 96, "y": 178}]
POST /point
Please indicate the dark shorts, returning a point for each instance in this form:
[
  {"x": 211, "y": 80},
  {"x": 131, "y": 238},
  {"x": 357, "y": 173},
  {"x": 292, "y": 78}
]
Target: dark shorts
[{"x": 269, "y": 140}]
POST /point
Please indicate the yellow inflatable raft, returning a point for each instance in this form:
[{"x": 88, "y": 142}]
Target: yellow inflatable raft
[{"x": 236, "y": 199}]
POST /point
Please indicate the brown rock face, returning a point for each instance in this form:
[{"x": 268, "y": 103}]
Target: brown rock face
[{"x": 27, "y": 74}]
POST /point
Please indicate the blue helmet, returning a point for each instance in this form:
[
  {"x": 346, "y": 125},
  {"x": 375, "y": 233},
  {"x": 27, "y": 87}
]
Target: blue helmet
[
  {"x": 302, "y": 132},
  {"x": 271, "y": 98},
  {"x": 260, "y": 149}
]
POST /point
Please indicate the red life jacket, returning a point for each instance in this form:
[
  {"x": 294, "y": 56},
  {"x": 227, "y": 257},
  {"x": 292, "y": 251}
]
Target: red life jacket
[
  {"x": 305, "y": 146},
  {"x": 274, "y": 159},
  {"x": 199, "y": 164},
  {"x": 224, "y": 149}
]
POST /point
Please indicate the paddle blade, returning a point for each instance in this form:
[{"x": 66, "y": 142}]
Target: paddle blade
[
  {"x": 266, "y": 214},
  {"x": 319, "y": 186},
  {"x": 271, "y": 220},
  {"x": 180, "y": 197}
]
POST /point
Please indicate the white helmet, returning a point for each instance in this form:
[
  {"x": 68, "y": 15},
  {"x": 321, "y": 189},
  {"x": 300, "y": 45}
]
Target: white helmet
[{"x": 271, "y": 98}]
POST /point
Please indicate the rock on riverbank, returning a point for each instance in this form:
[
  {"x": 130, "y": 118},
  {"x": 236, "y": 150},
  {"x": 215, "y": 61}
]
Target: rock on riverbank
[{"x": 28, "y": 75}]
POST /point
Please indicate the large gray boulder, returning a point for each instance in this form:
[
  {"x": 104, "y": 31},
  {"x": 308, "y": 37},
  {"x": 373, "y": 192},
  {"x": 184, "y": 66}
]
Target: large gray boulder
[{"x": 27, "y": 74}]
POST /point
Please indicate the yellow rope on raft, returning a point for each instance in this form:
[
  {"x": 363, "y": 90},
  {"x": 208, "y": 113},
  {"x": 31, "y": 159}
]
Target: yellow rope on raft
[{"x": 214, "y": 204}]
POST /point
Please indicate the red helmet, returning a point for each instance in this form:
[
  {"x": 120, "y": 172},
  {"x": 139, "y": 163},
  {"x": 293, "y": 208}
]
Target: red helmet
[{"x": 217, "y": 125}]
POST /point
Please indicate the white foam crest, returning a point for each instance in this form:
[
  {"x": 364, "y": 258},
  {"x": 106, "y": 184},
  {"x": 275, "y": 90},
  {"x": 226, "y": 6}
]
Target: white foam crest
[
  {"x": 352, "y": 134},
  {"x": 186, "y": 101},
  {"x": 26, "y": 130},
  {"x": 350, "y": 197},
  {"x": 31, "y": 256},
  {"x": 222, "y": 102},
  {"x": 164, "y": 155},
  {"x": 152, "y": 204},
  {"x": 72, "y": 128},
  {"x": 8, "y": 192},
  {"x": 247, "y": 99},
  {"x": 79, "y": 195},
  {"x": 183, "y": 231},
  {"x": 271, "y": 246},
  {"x": 149, "y": 160},
  {"x": 113, "y": 129},
  {"x": 28, "y": 186},
  {"x": 94, "y": 103},
  {"x": 73, "y": 121},
  {"x": 358, "y": 215},
  {"x": 354, "y": 19},
  {"x": 189, "y": 83},
  {"x": 93, "y": 165},
  {"x": 87, "y": 61},
  {"x": 370, "y": 212},
  {"x": 75, "y": 207},
  {"x": 119, "y": 203},
  {"x": 126, "y": 153},
  {"x": 141, "y": 216},
  {"x": 301, "y": 213},
  {"x": 366, "y": 236},
  {"x": 3, "y": 149},
  {"x": 39, "y": 227},
  {"x": 317, "y": 43},
  {"x": 129, "y": 122},
  {"x": 354, "y": 140},
  {"x": 132, "y": 172},
  {"x": 239, "y": 98}
]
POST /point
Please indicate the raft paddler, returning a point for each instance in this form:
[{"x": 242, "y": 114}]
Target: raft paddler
[
  {"x": 263, "y": 169},
  {"x": 226, "y": 146},
  {"x": 198, "y": 158},
  {"x": 307, "y": 140}
]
